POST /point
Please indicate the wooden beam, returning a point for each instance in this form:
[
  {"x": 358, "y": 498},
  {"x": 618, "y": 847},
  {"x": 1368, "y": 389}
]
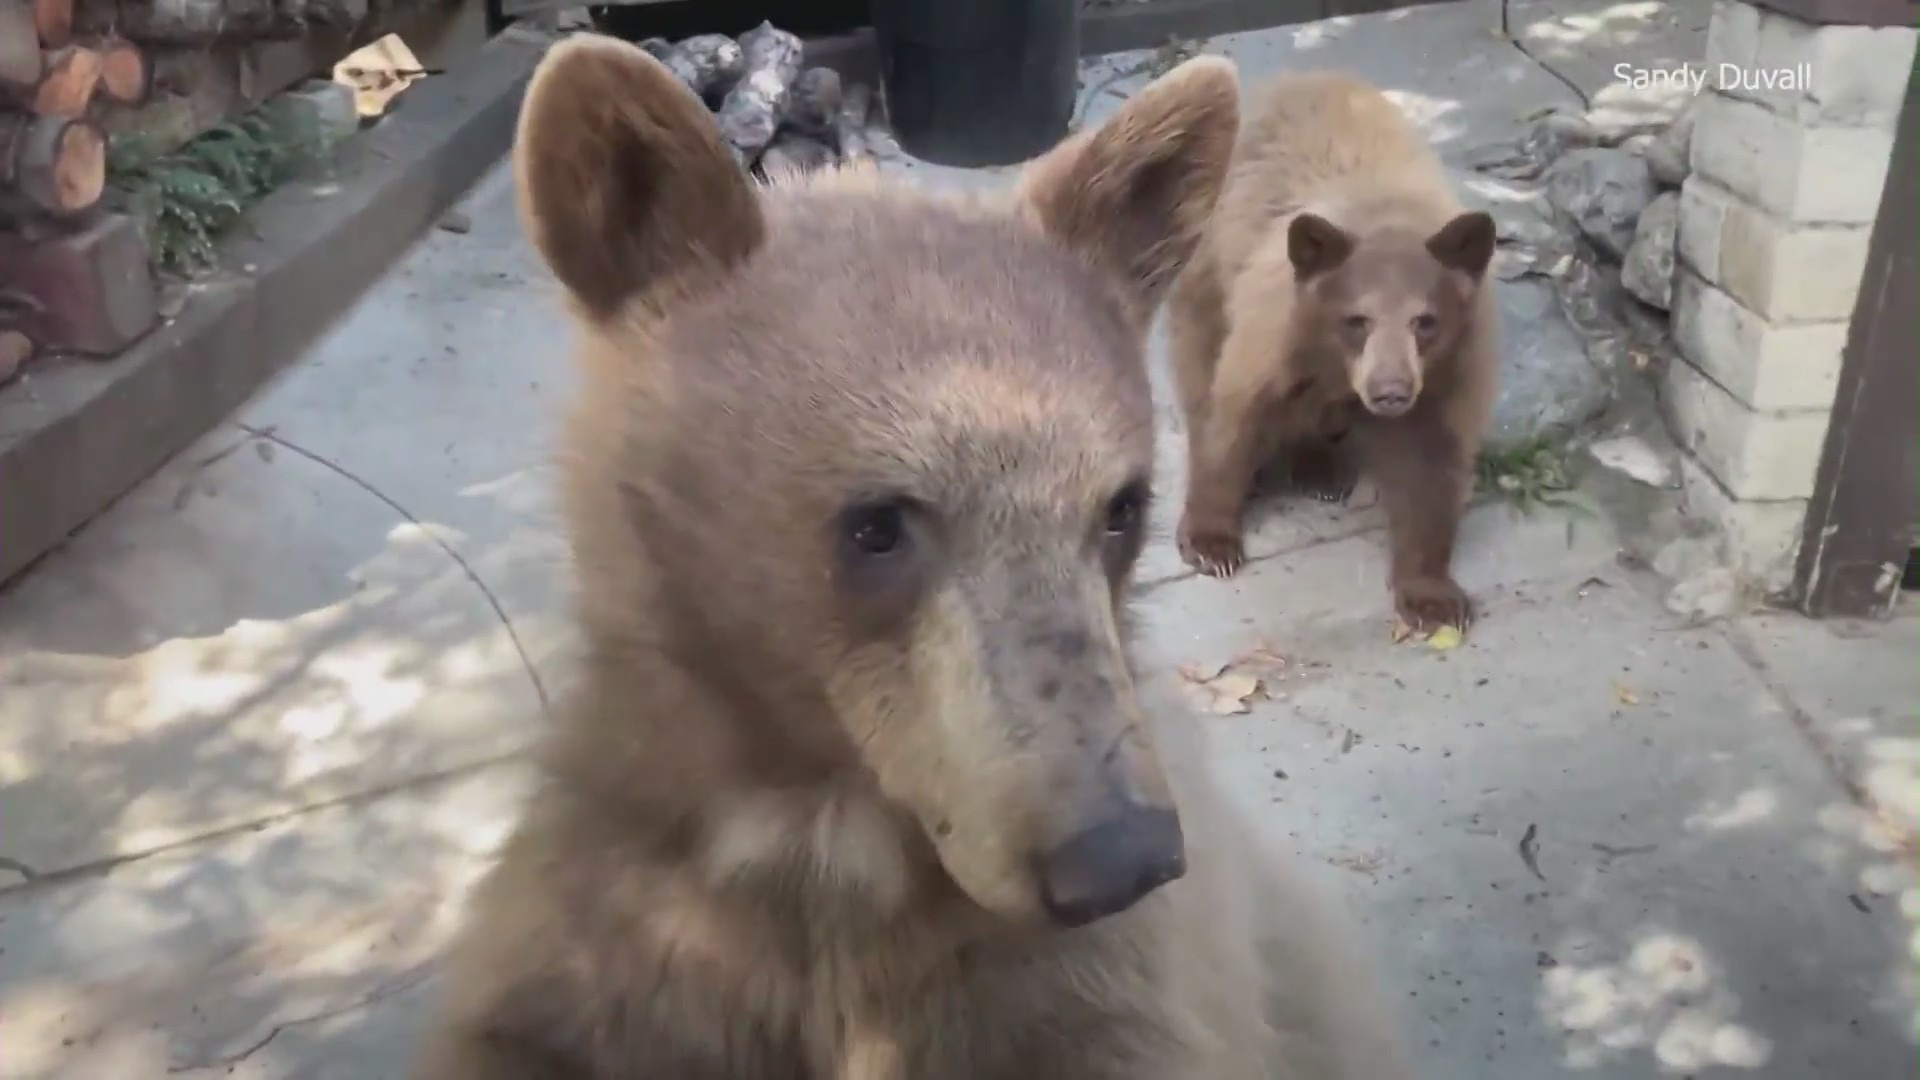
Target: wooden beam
[{"x": 1862, "y": 520}]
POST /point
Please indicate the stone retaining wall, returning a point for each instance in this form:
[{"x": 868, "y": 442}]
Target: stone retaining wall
[{"x": 1774, "y": 222}]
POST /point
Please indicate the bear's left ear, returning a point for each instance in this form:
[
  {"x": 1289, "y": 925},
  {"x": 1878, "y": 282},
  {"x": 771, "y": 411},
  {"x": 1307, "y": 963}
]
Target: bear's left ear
[
  {"x": 1465, "y": 243},
  {"x": 1134, "y": 195}
]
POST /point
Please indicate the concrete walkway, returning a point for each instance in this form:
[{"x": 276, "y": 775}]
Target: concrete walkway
[{"x": 260, "y": 723}]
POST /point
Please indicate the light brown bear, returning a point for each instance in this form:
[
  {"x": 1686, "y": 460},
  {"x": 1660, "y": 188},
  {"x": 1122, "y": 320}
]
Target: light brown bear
[
  {"x": 1337, "y": 319},
  {"x": 859, "y": 781}
]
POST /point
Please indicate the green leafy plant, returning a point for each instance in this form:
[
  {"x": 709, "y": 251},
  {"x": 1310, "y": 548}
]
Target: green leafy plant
[
  {"x": 1528, "y": 475},
  {"x": 188, "y": 198}
]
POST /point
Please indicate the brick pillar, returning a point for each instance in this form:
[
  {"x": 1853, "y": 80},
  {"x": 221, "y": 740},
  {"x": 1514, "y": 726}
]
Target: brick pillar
[{"x": 1774, "y": 221}]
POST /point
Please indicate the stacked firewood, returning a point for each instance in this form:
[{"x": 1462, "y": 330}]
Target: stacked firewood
[
  {"x": 773, "y": 114},
  {"x": 53, "y": 152}
]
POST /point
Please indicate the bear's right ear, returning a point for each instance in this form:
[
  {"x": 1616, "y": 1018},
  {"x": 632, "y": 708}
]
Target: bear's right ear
[
  {"x": 1315, "y": 246},
  {"x": 624, "y": 183}
]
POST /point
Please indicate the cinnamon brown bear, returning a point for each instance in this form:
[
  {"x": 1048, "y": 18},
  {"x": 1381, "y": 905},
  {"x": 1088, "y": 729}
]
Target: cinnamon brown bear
[
  {"x": 860, "y": 780},
  {"x": 1337, "y": 318}
]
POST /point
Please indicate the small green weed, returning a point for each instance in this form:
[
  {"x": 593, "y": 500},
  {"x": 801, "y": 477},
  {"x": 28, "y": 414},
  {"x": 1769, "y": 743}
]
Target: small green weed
[
  {"x": 1531, "y": 474},
  {"x": 189, "y": 198}
]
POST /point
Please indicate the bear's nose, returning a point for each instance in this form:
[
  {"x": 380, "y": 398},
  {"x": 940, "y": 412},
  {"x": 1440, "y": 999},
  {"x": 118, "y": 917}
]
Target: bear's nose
[
  {"x": 1389, "y": 397},
  {"x": 1108, "y": 868}
]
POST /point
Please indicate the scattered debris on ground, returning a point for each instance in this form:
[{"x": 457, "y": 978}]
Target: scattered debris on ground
[
  {"x": 378, "y": 73},
  {"x": 1227, "y": 687},
  {"x": 1530, "y": 850}
]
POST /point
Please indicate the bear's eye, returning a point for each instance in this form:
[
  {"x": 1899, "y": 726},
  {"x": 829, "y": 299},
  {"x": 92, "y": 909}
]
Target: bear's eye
[
  {"x": 875, "y": 529},
  {"x": 1126, "y": 508},
  {"x": 1356, "y": 324},
  {"x": 1424, "y": 324}
]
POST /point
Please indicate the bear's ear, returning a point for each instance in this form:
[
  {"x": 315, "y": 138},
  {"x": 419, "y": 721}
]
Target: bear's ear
[
  {"x": 624, "y": 184},
  {"x": 1134, "y": 195},
  {"x": 1465, "y": 243},
  {"x": 1315, "y": 246}
]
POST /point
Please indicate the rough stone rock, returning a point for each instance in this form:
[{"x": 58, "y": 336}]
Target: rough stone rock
[
  {"x": 1525, "y": 158},
  {"x": 1706, "y": 596},
  {"x": 1592, "y": 297},
  {"x": 1602, "y": 192},
  {"x": 1556, "y": 133},
  {"x": 753, "y": 109},
  {"x": 794, "y": 153},
  {"x": 1633, "y": 456},
  {"x": 708, "y": 63},
  {"x": 850, "y": 123},
  {"x": 1547, "y": 384},
  {"x": 1667, "y": 155},
  {"x": 813, "y": 104},
  {"x": 1647, "y": 271}
]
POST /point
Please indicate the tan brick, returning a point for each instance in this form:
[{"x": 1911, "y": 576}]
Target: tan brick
[
  {"x": 1808, "y": 175},
  {"x": 1703, "y": 214},
  {"x": 1764, "y": 365},
  {"x": 1754, "y": 455},
  {"x": 1791, "y": 274},
  {"x": 1758, "y": 538},
  {"x": 1849, "y": 76},
  {"x": 1783, "y": 272}
]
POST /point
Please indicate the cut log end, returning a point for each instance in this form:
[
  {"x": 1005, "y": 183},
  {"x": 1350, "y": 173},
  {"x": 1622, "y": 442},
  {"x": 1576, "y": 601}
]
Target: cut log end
[
  {"x": 58, "y": 165},
  {"x": 125, "y": 75},
  {"x": 53, "y": 21},
  {"x": 73, "y": 74}
]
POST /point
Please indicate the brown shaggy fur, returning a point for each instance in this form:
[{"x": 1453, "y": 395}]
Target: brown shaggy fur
[
  {"x": 790, "y": 820},
  {"x": 1337, "y": 316}
]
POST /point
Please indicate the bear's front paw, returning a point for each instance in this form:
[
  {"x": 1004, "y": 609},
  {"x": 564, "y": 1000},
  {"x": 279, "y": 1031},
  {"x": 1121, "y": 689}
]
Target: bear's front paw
[
  {"x": 1429, "y": 603},
  {"x": 1215, "y": 552}
]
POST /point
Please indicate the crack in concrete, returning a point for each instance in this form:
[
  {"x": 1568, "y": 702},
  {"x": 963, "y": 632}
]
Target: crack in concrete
[
  {"x": 55, "y": 878},
  {"x": 1802, "y": 720},
  {"x": 27, "y": 873},
  {"x": 1506, "y": 32},
  {"x": 374, "y": 997},
  {"x": 499, "y": 609}
]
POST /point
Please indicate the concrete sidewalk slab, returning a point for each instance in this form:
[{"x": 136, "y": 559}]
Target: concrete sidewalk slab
[
  {"x": 246, "y": 634},
  {"x": 1443, "y": 64},
  {"x": 1588, "y": 842},
  {"x": 300, "y": 949}
]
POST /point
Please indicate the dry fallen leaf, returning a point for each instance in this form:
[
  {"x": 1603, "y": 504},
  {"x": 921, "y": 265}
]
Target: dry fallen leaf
[
  {"x": 1217, "y": 689},
  {"x": 1624, "y": 694},
  {"x": 1196, "y": 672},
  {"x": 1447, "y": 637},
  {"x": 1231, "y": 691}
]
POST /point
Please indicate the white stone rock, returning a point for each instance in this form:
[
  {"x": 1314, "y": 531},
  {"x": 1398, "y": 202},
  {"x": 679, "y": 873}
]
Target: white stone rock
[{"x": 1634, "y": 457}]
